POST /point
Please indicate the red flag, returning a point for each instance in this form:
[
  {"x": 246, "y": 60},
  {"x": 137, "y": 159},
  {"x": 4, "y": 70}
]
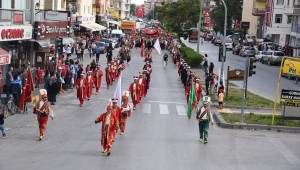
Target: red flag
[
  {"x": 139, "y": 12},
  {"x": 26, "y": 90},
  {"x": 143, "y": 49}
]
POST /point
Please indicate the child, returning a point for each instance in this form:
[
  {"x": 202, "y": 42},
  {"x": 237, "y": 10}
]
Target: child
[
  {"x": 221, "y": 98},
  {"x": 3, "y": 115}
]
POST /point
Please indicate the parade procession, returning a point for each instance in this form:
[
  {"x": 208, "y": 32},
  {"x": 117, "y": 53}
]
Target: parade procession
[{"x": 149, "y": 85}]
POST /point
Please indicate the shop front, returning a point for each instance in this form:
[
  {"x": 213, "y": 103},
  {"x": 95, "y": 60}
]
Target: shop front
[
  {"x": 45, "y": 35},
  {"x": 14, "y": 46}
]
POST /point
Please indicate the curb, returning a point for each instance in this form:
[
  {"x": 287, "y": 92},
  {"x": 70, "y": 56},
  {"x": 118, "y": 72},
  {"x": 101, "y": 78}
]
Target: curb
[
  {"x": 223, "y": 124},
  {"x": 239, "y": 107}
]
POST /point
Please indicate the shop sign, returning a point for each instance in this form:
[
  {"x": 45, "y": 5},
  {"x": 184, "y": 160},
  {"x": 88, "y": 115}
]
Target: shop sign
[
  {"x": 47, "y": 30},
  {"x": 291, "y": 67},
  {"x": 15, "y": 32},
  {"x": 290, "y": 98}
]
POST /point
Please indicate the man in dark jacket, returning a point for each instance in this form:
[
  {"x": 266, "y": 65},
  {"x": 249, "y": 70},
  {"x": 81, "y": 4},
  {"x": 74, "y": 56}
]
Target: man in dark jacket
[{"x": 16, "y": 89}]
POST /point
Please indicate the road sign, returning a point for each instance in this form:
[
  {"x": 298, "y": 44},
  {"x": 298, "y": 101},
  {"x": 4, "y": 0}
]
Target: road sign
[
  {"x": 291, "y": 67},
  {"x": 290, "y": 98},
  {"x": 236, "y": 74}
]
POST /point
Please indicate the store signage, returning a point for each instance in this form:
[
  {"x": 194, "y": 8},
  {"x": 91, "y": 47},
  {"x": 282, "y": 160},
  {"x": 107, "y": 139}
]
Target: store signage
[
  {"x": 18, "y": 18},
  {"x": 290, "y": 98},
  {"x": 291, "y": 67},
  {"x": 15, "y": 32},
  {"x": 45, "y": 30}
]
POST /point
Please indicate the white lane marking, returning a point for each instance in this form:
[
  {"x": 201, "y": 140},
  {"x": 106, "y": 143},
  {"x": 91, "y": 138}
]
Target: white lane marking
[
  {"x": 146, "y": 108},
  {"x": 181, "y": 110},
  {"x": 152, "y": 101},
  {"x": 285, "y": 151},
  {"x": 163, "y": 109}
]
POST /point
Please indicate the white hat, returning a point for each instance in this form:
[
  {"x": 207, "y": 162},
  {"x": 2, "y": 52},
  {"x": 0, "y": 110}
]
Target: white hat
[
  {"x": 43, "y": 93},
  {"x": 125, "y": 93}
]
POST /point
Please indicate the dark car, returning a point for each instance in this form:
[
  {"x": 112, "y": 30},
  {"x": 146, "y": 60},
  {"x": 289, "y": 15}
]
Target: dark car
[
  {"x": 218, "y": 41},
  {"x": 209, "y": 37},
  {"x": 102, "y": 47},
  {"x": 106, "y": 41}
]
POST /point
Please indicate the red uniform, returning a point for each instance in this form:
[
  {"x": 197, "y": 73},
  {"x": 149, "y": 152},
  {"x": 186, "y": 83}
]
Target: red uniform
[
  {"x": 134, "y": 90},
  {"x": 98, "y": 78},
  {"x": 116, "y": 111},
  {"x": 89, "y": 80},
  {"x": 108, "y": 76},
  {"x": 126, "y": 111},
  {"x": 142, "y": 91},
  {"x": 198, "y": 90},
  {"x": 109, "y": 123},
  {"x": 187, "y": 93},
  {"x": 38, "y": 77},
  {"x": 81, "y": 90}
]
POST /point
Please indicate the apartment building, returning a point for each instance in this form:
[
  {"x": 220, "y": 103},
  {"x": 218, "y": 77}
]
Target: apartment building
[
  {"x": 294, "y": 13},
  {"x": 247, "y": 17}
]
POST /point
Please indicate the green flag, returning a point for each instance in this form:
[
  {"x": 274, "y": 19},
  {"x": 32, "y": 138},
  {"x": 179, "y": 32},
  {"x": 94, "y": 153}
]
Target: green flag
[{"x": 192, "y": 99}]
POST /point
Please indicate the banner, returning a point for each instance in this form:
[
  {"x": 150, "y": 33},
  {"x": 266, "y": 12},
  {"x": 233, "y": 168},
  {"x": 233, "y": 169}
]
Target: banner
[
  {"x": 118, "y": 91},
  {"x": 139, "y": 12},
  {"x": 157, "y": 46}
]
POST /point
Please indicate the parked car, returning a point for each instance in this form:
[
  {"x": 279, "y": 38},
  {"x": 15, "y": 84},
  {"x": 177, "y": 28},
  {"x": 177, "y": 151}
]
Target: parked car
[
  {"x": 209, "y": 37},
  {"x": 236, "y": 50},
  {"x": 273, "y": 57},
  {"x": 247, "y": 51},
  {"x": 218, "y": 41},
  {"x": 228, "y": 44},
  {"x": 102, "y": 47},
  {"x": 106, "y": 41},
  {"x": 259, "y": 55}
]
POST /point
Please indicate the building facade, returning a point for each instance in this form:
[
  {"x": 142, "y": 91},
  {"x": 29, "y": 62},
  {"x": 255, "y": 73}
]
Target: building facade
[{"x": 247, "y": 17}]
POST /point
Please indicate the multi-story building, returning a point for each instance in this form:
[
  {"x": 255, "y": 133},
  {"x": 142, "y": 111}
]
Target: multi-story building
[
  {"x": 294, "y": 12},
  {"x": 247, "y": 17},
  {"x": 122, "y": 8},
  {"x": 259, "y": 9},
  {"x": 277, "y": 23},
  {"x": 149, "y": 6}
]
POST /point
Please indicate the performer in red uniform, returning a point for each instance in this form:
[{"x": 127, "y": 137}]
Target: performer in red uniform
[
  {"x": 134, "y": 90},
  {"x": 98, "y": 78},
  {"x": 117, "y": 112},
  {"x": 81, "y": 89},
  {"x": 147, "y": 67},
  {"x": 89, "y": 80},
  {"x": 108, "y": 75},
  {"x": 125, "y": 110},
  {"x": 198, "y": 90},
  {"x": 43, "y": 111},
  {"x": 38, "y": 77},
  {"x": 109, "y": 123},
  {"x": 140, "y": 81},
  {"x": 145, "y": 82}
]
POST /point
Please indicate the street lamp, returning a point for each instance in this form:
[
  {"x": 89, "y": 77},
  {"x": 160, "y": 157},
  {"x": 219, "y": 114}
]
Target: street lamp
[{"x": 224, "y": 47}]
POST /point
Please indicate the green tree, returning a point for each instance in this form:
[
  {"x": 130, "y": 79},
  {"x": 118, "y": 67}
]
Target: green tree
[
  {"x": 234, "y": 12},
  {"x": 132, "y": 9},
  {"x": 180, "y": 15}
]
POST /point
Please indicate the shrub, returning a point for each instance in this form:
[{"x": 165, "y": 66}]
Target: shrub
[{"x": 193, "y": 58}]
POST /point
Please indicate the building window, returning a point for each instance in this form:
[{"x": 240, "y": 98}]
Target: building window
[
  {"x": 0, "y": 3},
  {"x": 278, "y": 18},
  {"x": 12, "y": 4},
  {"x": 289, "y": 19},
  {"x": 280, "y": 2}
]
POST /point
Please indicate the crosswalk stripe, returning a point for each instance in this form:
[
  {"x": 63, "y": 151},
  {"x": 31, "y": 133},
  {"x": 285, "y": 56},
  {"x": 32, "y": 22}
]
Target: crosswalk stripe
[
  {"x": 181, "y": 110},
  {"x": 146, "y": 108},
  {"x": 163, "y": 109}
]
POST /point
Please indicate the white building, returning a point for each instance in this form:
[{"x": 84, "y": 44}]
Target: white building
[
  {"x": 278, "y": 24},
  {"x": 122, "y": 8},
  {"x": 295, "y": 28}
]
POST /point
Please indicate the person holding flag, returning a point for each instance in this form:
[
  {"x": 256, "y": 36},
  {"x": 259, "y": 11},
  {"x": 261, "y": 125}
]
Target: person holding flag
[
  {"x": 27, "y": 90},
  {"x": 191, "y": 100},
  {"x": 204, "y": 117},
  {"x": 116, "y": 111},
  {"x": 125, "y": 110}
]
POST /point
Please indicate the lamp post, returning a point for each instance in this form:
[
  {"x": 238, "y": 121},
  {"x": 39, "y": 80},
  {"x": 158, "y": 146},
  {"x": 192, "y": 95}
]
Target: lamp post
[
  {"x": 199, "y": 25},
  {"x": 224, "y": 47}
]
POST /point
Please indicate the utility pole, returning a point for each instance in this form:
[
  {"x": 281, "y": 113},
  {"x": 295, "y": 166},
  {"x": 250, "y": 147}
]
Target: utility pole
[
  {"x": 224, "y": 47},
  {"x": 32, "y": 17},
  {"x": 199, "y": 26}
]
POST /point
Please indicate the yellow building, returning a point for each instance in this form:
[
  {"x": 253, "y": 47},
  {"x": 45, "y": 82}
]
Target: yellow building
[{"x": 248, "y": 17}]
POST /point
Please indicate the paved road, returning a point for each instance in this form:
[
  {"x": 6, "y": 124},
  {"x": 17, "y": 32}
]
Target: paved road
[
  {"x": 263, "y": 83},
  {"x": 158, "y": 135}
]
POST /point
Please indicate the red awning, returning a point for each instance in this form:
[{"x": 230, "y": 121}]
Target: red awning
[{"x": 4, "y": 57}]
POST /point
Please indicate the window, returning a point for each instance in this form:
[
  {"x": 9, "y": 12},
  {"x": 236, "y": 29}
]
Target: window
[
  {"x": 289, "y": 19},
  {"x": 278, "y": 18},
  {"x": 0, "y": 3},
  {"x": 12, "y": 4},
  {"x": 280, "y": 2}
]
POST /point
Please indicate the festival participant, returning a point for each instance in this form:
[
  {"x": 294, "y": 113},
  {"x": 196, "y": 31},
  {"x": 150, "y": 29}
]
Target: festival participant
[
  {"x": 43, "y": 111},
  {"x": 38, "y": 77},
  {"x": 125, "y": 110},
  {"x": 108, "y": 75},
  {"x": 141, "y": 83},
  {"x": 145, "y": 82},
  {"x": 198, "y": 89},
  {"x": 109, "y": 123},
  {"x": 97, "y": 74},
  {"x": 89, "y": 80},
  {"x": 81, "y": 89},
  {"x": 134, "y": 90},
  {"x": 147, "y": 67},
  {"x": 117, "y": 113}
]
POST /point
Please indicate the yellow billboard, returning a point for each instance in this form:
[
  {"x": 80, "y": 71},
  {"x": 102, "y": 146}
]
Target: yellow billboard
[{"x": 291, "y": 67}]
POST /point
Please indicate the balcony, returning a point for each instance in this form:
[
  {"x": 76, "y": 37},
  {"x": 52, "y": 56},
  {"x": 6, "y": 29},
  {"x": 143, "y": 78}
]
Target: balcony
[
  {"x": 259, "y": 7},
  {"x": 11, "y": 16}
]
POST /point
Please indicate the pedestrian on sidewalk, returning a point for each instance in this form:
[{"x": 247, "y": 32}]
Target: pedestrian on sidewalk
[
  {"x": 204, "y": 117},
  {"x": 3, "y": 115},
  {"x": 205, "y": 64},
  {"x": 221, "y": 98},
  {"x": 97, "y": 51},
  {"x": 207, "y": 83},
  {"x": 212, "y": 84}
]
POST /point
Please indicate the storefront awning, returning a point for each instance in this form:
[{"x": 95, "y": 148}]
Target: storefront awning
[
  {"x": 44, "y": 43},
  {"x": 4, "y": 57},
  {"x": 93, "y": 26},
  {"x": 67, "y": 40}
]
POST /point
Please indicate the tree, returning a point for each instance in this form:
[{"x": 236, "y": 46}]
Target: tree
[
  {"x": 132, "y": 9},
  {"x": 180, "y": 15},
  {"x": 234, "y": 12}
]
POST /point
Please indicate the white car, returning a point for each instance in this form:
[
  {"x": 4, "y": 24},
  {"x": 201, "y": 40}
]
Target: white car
[
  {"x": 228, "y": 44},
  {"x": 259, "y": 55}
]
